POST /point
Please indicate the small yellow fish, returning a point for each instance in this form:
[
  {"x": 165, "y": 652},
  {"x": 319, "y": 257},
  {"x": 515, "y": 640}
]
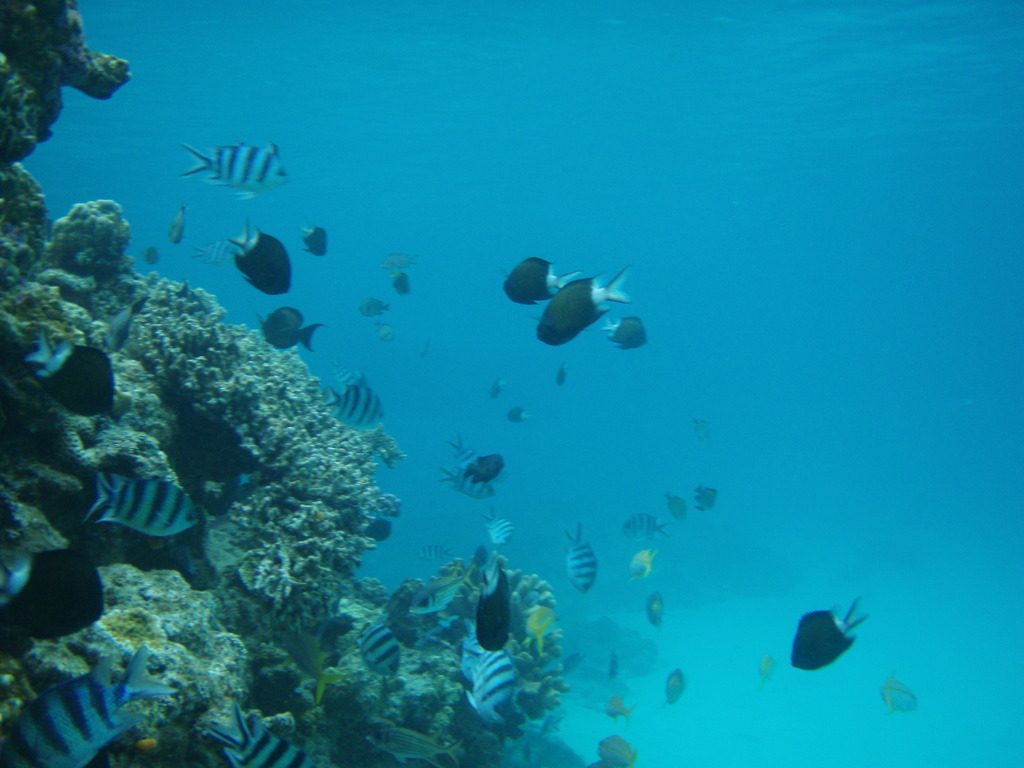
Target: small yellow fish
[
  {"x": 897, "y": 696},
  {"x": 766, "y": 668},
  {"x": 615, "y": 707},
  {"x": 539, "y": 624},
  {"x": 640, "y": 565}
]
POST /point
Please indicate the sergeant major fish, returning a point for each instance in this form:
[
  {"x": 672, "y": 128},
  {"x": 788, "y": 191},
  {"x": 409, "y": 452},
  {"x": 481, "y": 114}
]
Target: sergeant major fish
[
  {"x": 152, "y": 507},
  {"x": 67, "y": 724},
  {"x": 250, "y": 170},
  {"x": 498, "y": 528},
  {"x": 494, "y": 679},
  {"x": 643, "y": 527},
  {"x": 248, "y": 744},
  {"x": 581, "y": 562},
  {"x": 379, "y": 648}
]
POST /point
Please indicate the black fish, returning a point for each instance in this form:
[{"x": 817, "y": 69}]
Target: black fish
[
  {"x": 628, "y": 333},
  {"x": 315, "y": 240},
  {"x": 483, "y": 469},
  {"x": 378, "y": 529},
  {"x": 516, "y": 415},
  {"x": 49, "y": 594},
  {"x": 400, "y": 281},
  {"x": 532, "y": 280},
  {"x": 563, "y": 371},
  {"x": 264, "y": 262},
  {"x": 493, "y": 611},
  {"x": 821, "y": 638},
  {"x": 282, "y": 329},
  {"x": 79, "y": 378},
  {"x": 576, "y": 306}
]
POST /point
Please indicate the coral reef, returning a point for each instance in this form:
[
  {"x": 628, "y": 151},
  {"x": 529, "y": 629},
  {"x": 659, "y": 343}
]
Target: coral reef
[
  {"x": 284, "y": 490},
  {"x": 42, "y": 49}
]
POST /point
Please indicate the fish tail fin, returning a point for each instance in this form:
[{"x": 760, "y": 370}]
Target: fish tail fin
[
  {"x": 205, "y": 163},
  {"x": 614, "y": 288},
  {"x": 322, "y": 681},
  {"x": 661, "y": 529},
  {"x": 138, "y": 684},
  {"x": 106, "y": 487},
  {"x": 242, "y": 241},
  {"x": 306, "y": 335}
]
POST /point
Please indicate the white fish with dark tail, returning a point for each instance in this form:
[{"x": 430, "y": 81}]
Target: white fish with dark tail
[
  {"x": 66, "y": 725},
  {"x": 379, "y": 648},
  {"x": 177, "y": 228},
  {"x": 498, "y": 528},
  {"x": 643, "y": 527},
  {"x": 250, "y": 170},
  {"x": 494, "y": 681},
  {"x": 248, "y": 744},
  {"x": 152, "y": 507},
  {"x": 581, "y": 563}
]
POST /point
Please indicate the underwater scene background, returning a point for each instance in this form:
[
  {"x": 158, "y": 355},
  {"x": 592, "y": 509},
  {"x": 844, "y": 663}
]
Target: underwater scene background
[{"x": 820, "y": 205}]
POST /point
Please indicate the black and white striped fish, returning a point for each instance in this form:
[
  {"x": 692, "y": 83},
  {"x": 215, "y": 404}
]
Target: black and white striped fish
[
  {"x": 471, "y": 653},
  {"x": 356, "y": 406},
  {"x": 643, "y": 527},
  {"x": 248, "y": 744},
  {"x": 494, "y": 680},
  {"x": 498, "y": 528},
  {"x": 217, "y": 252},
  {"x": 581, "y": 562},
  {"x": 464, "y": 454},
  {"x": 379, "y": 648},
  {"x": 434, "y": 552},
  {"x": 248, "y": 169},
  {"x": 152, "y": 507},
  {"x": 66, "y": 725},
  {"x": 467, "y": 485}
]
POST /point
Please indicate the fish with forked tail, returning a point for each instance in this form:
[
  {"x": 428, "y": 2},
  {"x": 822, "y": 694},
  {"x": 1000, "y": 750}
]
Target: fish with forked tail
[{"x": 577, "y": 305}]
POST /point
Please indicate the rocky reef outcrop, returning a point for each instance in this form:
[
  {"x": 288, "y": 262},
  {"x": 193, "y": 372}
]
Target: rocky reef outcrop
[
  {"x": 42, "y": 49},
  {"x": 284, "y": 491}
]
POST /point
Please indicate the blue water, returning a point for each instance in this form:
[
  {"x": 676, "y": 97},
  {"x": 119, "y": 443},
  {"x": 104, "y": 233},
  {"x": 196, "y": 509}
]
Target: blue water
[{"x": 823, "y": 207}]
